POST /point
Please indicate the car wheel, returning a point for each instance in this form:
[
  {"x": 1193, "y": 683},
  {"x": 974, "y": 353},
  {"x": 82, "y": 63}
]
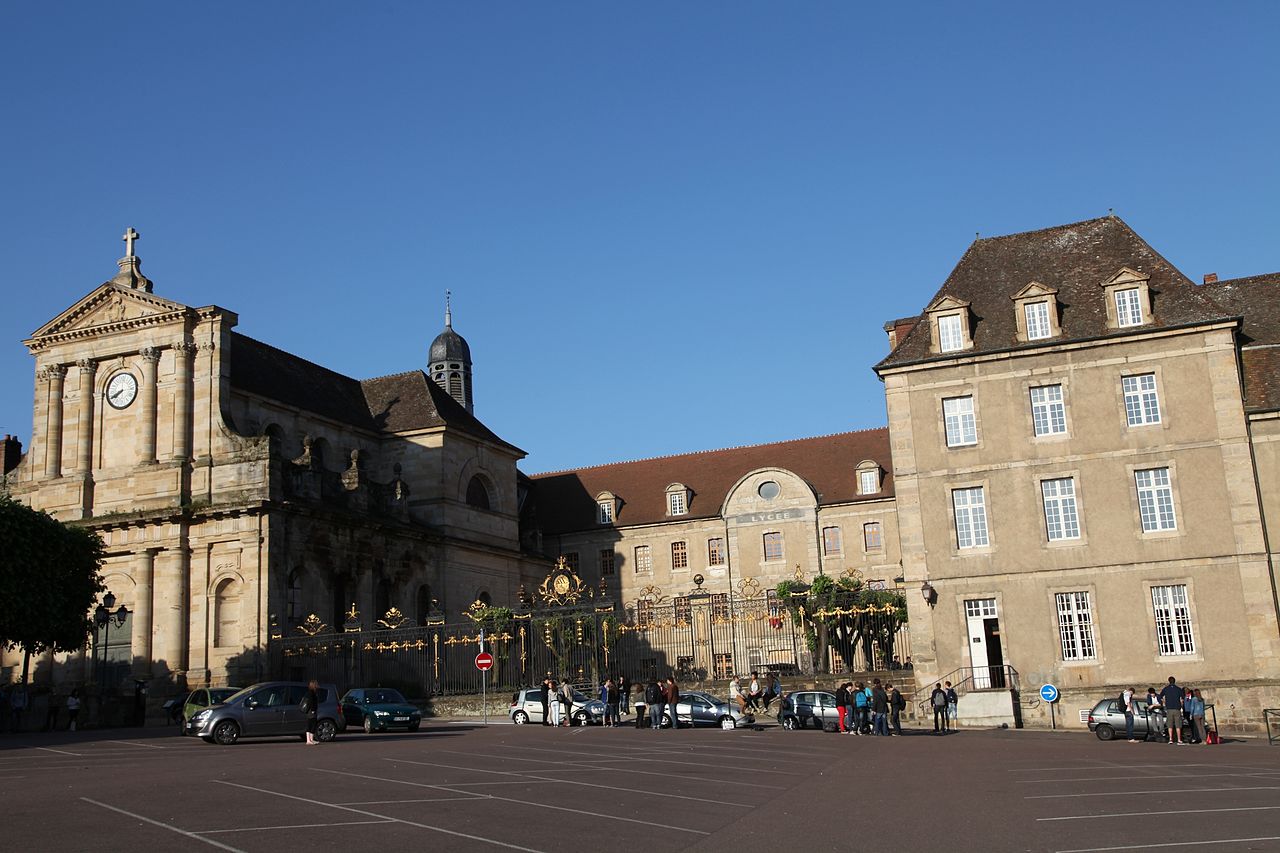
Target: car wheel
[
  {"x": 413, "y": 727},
  {"x": 520, "y": 718},
  {"x": 1104, "y": 732},
  {"x": 579, "y": 719},
  {"x": 226, "y": 733},
  {"x": 326, "y": 730},
  {"x": 726, "y": 722},
  {"x": 368, "y": 725},
  {"x": 666, "y": 721},
  {"x": 790, "y": 723}
]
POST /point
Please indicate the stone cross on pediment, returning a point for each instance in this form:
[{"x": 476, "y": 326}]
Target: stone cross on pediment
[{"x": 129, "y": 236}]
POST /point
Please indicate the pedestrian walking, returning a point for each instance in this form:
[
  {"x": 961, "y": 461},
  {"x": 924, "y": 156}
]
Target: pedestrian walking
[
  {"x": 1171, "y": 700},
  {"x": 938, "y": 700},
  {"x": 842, "y": 705},
  {"x": 653, "y": 702},
  {"x": 311, "y": 707},
  {"x": 672, "y": 695},
  {"x": 879, "y": 709},
  {"x": 1126, "y": 705},
  {"x": 953, "y": 704},
  {"x": 896, "y": 704}
]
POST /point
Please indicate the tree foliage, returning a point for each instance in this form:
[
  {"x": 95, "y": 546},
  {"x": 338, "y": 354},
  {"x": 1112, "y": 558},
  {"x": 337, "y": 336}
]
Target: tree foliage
[
  {"x": 49, "y": 580},
  {"x": 845, "y": 611}
]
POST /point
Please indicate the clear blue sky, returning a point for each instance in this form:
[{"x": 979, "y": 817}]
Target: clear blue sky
[{"x": 667, "y": 226}]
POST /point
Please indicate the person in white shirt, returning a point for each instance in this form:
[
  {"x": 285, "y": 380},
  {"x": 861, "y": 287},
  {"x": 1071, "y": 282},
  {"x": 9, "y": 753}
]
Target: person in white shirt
[
  {"x": 1126, "y": 705},
  {"x": 735, "y": 694}
]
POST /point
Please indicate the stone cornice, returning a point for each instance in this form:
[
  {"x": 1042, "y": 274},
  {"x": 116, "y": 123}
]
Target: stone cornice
[{"x": 45, "y": 341}]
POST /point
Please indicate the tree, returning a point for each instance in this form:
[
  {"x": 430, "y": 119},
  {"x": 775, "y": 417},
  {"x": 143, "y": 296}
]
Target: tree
[{"x": 49, "y": 581}]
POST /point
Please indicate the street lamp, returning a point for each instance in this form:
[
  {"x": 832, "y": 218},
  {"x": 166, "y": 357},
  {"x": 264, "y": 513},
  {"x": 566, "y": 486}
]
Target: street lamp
[
  {"x": 105, "y": 617},
  {"x": 928, "y": 593}
]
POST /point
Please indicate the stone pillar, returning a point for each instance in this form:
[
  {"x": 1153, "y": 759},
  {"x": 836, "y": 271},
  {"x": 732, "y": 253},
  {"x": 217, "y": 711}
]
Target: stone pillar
[
  {"x": 182, "y": 400},
  {"x": 55, "y": 373},
  {"x": 169, "y": 617},
  {"x": 142, "y": 574},
  {"x": 84, "y": 427},
  {"x": 147, "y": 400}
]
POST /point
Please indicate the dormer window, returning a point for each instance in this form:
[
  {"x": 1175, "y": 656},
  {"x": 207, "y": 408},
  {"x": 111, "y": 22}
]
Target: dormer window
[
  {"x": 949, "y": 325},
  {"x": 868, "y": 477},
  {"x": 606, "y": 508},
  {"x": 1128, "y": 299},
  {"x": 1037, "y": 312},
  {"x": 677, "y": 499}
]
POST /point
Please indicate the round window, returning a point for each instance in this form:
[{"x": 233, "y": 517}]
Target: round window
[{"x": 769, "y": 490}]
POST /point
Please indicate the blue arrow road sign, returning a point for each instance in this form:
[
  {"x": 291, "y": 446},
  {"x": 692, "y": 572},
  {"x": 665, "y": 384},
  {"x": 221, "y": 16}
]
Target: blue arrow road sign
[{"x": 1049, "y": 693}]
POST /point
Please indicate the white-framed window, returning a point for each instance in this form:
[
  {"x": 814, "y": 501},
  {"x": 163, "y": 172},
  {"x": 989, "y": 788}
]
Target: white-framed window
[
  {"x": 960, "y": 422},
  {"x": 1037, "y": 314},
  {"x": 868, "y": 482},
  {"x": 608, "y": 564},
  {"x": 970, "y": 507},
  {"x": 980, "y": 608},
  {"x": 1048, "y": 411},
  {"x": 679, "y": 555},
  {"x": 950, "y": 333},
  {"x": 831, "y": 542},
  {"x": 872, "y": 536},
  {"x": 1173, "y": 620},
  {"x": 1141, "y": 399},
  {"x": 1061, "y": 519},
  {"x": 1155, "y": 500},
  {"x": 1075, "y": 625},
  {"x": 715, "y": 552},
  {"x": 676, "y": 503},
  {"x": 1128, "y": 307},
  {"x": 644, "y": 560},
  {"x": 772, "y": 546},
  {"x": 606, "y": 511}
]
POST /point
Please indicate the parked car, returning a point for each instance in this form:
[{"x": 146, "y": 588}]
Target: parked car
[
  {"x": 806, "y": 708},
  {"x": 526, "y": 707},
  {"x": 1106, "y": 720},
  {"x": 377, "y": 709},
  {"x": 270, "y": 709},
  {"x": 199, "y": 699},
  {"x": 697, "y": 708}
]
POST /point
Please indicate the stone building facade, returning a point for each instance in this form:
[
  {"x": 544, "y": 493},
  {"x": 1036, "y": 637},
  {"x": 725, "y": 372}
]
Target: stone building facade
[{"x": 239, "y": 488}]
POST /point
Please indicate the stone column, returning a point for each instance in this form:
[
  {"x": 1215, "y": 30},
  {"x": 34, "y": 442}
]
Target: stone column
[
  {"x": 169, "y": 617},
  {"x": 84, "y": 427},
  {"x": 147, "y": 399},
  {"x": 182, "y": 400},
  {"x": 55, "y": 373},
  {"x": 144, "y": 567}
]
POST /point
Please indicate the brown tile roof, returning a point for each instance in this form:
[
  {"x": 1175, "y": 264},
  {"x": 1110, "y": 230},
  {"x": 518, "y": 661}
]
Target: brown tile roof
[
  {"x": 1257, "y": 299},
  {"x": 567, "y": 499},
  {"x": 396, "y": 403},
  {"x": 1261, "y": 378},
  {"x": 1074, "y": 259}
]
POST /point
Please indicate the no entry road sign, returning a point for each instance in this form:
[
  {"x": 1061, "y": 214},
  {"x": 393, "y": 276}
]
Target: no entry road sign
[{"x": 484, "y": 661}]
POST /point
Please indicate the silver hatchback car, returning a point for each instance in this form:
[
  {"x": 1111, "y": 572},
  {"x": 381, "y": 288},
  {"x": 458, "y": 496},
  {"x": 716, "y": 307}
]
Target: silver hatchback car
[
  {"x": 270, "y": 709},
  {"x": 697, "y": 708},
  {"x": 526, "y": 707}
]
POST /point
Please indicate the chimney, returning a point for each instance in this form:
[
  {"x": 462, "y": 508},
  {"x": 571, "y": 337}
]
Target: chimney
[
  {"x": 1211, "y": 278},
  {"x": 10, "y": 454},
  {"x": 897, "y": 330}
]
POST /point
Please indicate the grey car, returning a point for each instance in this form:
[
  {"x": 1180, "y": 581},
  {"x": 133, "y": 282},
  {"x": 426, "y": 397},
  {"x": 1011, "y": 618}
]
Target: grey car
[
  {"x": 1106, "y": 720},
  {"x": 697, "y": 708},
  {"x": 806, "y": 708},
  {"x": 526, "y": 707},
  {"x": 270, "y": 709}
]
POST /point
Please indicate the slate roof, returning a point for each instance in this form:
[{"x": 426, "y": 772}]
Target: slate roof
[
  {"x": 1075, "y": 260},
  {"x": 1257, "y": 299},
  {"x": 396, "y": 403},
  {"x": 567, "y": 499}
]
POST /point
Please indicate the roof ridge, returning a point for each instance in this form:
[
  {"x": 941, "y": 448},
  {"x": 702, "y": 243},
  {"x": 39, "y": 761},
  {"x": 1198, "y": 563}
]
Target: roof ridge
[
  {"x": 1241, "y": 278},
  {"x": 1052, "y": 228},
  {"x": 707, "y": 452},
  {"x": 418, "y": 371}
]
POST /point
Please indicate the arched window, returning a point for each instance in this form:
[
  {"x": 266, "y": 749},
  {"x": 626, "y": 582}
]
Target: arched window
[
  {"x": 226, "y": 614},
  {"x": 477, "y": 494},
  {"x": 483, "y": 598},
  {"x": 423, "y": 608},
  {"x": 293, "y": 598},
  {"x": 275, "y": 437}
]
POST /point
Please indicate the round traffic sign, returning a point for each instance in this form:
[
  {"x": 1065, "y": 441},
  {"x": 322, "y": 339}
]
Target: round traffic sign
[
  {"x": 1049, "y": 693},
  {"x": 484, "y": 661}
]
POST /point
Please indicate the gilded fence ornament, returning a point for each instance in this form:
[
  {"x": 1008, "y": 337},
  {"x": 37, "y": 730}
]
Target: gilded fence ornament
[
  {"x": 393, "y": 619},
  {"x": 749, "y": 588},
  {"x": 435, "y": 657},
  {"x": 798, "y": 577},
  {"x": 562, "y": 585},
  {"x": 522, "y": 654},
  {"x": 853, "y": 574},
  {"x": 352, "y": 622},
  {"x": 312, "y": 625}
]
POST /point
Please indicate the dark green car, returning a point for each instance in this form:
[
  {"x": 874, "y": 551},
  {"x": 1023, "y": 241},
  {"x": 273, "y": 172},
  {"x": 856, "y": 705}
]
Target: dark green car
[{"x": 377, "y": 709}]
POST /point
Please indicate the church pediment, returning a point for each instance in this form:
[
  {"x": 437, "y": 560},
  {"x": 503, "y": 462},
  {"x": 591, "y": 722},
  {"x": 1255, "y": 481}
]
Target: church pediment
[{"x": 108, "y": 309}]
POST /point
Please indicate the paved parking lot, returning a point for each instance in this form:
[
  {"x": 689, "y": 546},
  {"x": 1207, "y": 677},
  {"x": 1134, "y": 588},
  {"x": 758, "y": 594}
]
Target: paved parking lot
[{"x": 465, "y": 787}]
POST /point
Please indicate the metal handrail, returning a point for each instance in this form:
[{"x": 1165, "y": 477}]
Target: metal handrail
[
  {"x": 1008, "y": 677},
  {"x": 1268, "y": 716}
]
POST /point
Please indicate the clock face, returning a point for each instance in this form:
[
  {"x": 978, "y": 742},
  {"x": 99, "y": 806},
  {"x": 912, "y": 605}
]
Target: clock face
[{"x": 121, "y": 390}]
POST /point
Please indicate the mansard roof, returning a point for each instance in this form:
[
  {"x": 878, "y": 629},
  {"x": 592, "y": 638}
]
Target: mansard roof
[
  {"x": 567, "y": 499},
  {"x": 1257, "y": 300},
  {"x": 1076, "y": 260},
  {"x": 401, "y": 402}
]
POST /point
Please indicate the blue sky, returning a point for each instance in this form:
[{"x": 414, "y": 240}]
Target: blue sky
[{"x": 667, "y": 227}]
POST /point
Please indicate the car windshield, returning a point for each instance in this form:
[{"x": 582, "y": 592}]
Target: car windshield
[
  {"x": 383, "y": 697},
  {"x": 578, "y": 697},
  {"x": 238, "y": 695},
  {"x": 221, "y": 694}
]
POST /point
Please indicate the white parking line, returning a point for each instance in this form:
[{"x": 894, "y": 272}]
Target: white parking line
[
  {"x": 132, "y": 743},
  {"x": 294, "y": 826},
  {"x": 374, "y": 814},
  {"x": 1159, "y": 791},
  {"x": 582, "y": 766},
  {"x": 1188, "y": 777},
  {"x": 651, "y": 752},
  {"x": 144, "y": 819},
  {"x": 1171, "y": 844},
  {"x": 60, "y": 751},
  {"x": 569, "y": 782},
  {"x": 648, "y": 823},
  {"x": 1103, "y": 766},
  {"x": 1172, "y": 811},
  {"x": 394, "y": 802}
]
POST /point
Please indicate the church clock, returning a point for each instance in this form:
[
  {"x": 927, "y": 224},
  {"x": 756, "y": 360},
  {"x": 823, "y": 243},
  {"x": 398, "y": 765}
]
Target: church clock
[{"x": 121, "y": 390}]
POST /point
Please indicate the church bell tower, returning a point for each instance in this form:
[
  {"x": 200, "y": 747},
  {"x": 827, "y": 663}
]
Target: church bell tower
[{"x": 449, "y": 361}]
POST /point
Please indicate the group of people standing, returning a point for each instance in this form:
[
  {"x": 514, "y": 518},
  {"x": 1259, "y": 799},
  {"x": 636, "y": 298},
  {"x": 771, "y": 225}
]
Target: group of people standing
[
  {"x": 1179, "y": 704},
  {"x": 870, "y": 709},
  {"x": 557, "y": 701}
]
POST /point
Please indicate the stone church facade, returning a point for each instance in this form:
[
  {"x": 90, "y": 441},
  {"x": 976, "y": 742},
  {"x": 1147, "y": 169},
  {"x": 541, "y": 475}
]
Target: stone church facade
[{"x": 239, "y": 488}]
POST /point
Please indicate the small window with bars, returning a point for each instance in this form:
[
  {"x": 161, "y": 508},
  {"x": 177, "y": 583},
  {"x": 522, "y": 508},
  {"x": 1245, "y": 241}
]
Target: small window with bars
[
  {"x": 715, "y": 552},
  {"x": 872, "y": 536},
  {"x": 1128, "y": 307},
  {"x": 608, "y": 564},
  {"x": 606, "y": 511},
  {"x": 1155, "y": 500},
  {"x": 950, "y": 333},
  {"x": 1075, "y": 625},
  {"x": 772, "y": 546},
  {"x": 1141, "y": 399},
  {"x": 1048, "y": 410},
  {"x": 1037, "y": 314},
  {"x": 644, "y": 560},
  {"x": 831, "y": 544},
  {"x": 676, "y": 503},
  {"x": 679, "y": 555},
  {"x": 1173, "y": 620}
]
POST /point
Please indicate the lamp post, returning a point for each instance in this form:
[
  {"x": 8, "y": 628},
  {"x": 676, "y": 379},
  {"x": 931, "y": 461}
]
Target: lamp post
[{"x": 105, "y": 616}]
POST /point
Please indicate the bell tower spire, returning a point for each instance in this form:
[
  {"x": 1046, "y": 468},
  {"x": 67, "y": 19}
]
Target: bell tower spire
[{"x": 449, "y": 360}]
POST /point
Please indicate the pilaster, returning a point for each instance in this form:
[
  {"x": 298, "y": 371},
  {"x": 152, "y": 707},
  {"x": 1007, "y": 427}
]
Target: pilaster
[
  {"x": 56, "y": 375},
  {"x": 147, "y": 402}
]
